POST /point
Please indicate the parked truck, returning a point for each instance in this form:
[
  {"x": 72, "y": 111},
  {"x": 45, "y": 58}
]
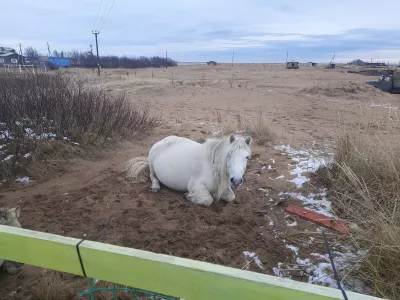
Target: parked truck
[{"x": 388, "y": 83}]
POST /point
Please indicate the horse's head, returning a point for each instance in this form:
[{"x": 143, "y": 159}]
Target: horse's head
[
  {"x": 238, "y": 155},
  {"x": 10, "y": 217}
]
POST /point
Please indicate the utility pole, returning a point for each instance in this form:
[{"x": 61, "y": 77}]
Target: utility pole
[
  {"x": 20, "y": 53},
  {"x": 233, "y": 54},
  {"x": 166, "y": 59},
  {"x": 96, "y": 32},
  {"x": 48, "y": 48}
]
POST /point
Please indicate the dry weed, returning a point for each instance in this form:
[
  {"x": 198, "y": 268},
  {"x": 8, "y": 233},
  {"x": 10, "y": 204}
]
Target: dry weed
[
  {"x": 336, "y": 90},
  {"x": 53, "y": 286},
  {"x": 365, "y": 190},
  {"x": 259, "y": 127}
]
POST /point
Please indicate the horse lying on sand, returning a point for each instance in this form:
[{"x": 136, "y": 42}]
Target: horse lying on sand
[
  {"x": 9, "y": 217},
  {"x": 205, "y": 172}
]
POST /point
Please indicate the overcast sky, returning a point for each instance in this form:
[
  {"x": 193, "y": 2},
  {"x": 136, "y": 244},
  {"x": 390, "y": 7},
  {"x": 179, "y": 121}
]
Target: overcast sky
[{"x": 202, "y": 30}]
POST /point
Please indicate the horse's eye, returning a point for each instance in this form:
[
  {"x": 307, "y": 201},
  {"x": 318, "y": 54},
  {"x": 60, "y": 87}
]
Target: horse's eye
[{"x": 247, "y": 157}]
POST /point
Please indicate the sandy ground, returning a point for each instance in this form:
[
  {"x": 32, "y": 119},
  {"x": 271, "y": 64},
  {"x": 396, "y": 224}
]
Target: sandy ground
[{"x": 307, "y": 106}]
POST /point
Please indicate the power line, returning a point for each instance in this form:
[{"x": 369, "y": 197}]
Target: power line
[
  {"x": 97, "y": 16},
  {"x": 102, "y": 15},
  {"x": 109, "y": 12}
]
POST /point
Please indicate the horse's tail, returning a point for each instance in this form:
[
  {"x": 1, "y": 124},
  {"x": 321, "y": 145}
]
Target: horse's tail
[{"x": 138, "y": 169}]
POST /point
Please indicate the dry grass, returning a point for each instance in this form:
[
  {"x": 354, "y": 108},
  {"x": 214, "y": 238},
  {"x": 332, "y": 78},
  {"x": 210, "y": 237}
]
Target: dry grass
[
  {"x": 365, "y": 190},
  {"x": 53, "y": 286},
  {"x": 260, "y": 127},
  {"x": 337, "y": 89}
]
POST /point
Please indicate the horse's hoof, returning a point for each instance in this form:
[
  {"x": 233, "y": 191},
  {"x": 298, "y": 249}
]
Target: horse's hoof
[{"x": 155, "y": 190}]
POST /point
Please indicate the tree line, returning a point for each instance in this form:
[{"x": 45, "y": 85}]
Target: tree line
[{"x": 89, "y": 60}]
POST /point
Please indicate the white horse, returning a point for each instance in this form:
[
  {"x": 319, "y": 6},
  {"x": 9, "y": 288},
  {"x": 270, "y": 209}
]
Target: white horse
[
  {"x": 9, "y": 217},
  {"x": 205, "y": 172}
]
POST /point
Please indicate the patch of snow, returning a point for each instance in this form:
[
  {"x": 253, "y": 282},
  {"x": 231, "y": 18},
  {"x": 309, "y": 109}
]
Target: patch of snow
[
  {"x": 74, "y": 143},
  {"x": 322, "y": 205},
  {"x": 47, "y": 135},
  {"x": 299, "y": 180},
  {"x": 291, "y": 224},
  {"x": 318, "y": 268},
  {"x": 27, "y": 155},
  {"x": 279, "y": 177},
  {"x": 303, "y": 262},
  {"x": 293, "y": 248},
  {"x": 322, "y": 273},
  {"x": 271, "y": 223},
  {"x": 8, "y": 157},
  {"x": 254, "y": 256},
  {"x": 271, "y": 159},
  {"x": 25, "y": 179},
  {"x": 384, "y": 106},
  {"x": 305, "y": 161},
  {"x": 5, "y": 135},
  {"x": 277, "y": 271}
]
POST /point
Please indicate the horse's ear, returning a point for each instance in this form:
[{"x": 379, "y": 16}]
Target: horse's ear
[
  {"x": 232, "y": 138},
  {"x": 248, "y": 140}
]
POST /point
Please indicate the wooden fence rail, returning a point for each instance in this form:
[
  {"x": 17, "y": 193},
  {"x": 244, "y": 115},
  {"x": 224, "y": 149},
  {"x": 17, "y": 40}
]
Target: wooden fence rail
[{"x": 168, "y": 275}]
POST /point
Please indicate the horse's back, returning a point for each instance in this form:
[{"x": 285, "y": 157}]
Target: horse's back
[{"x": 175, "y": 160}]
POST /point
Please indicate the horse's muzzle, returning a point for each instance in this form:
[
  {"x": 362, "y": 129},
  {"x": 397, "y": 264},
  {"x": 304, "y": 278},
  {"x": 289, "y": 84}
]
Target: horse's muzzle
[{"x": 235, "y": 182}]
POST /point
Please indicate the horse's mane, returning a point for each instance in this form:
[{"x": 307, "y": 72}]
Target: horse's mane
[
  {"x": 4, "y": 215},
  {"x": 217, "y": 155}
]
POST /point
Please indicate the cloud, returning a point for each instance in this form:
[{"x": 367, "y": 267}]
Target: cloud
[{"x": 194, "y": 30}]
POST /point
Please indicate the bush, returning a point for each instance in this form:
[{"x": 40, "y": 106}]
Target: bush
[{"x": 40, "y": 107}]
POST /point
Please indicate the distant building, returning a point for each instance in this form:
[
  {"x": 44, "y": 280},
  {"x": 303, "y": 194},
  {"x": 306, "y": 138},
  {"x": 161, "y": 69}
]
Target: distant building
[
  {"x": 359, "y": 62},
  {"x": 292, "y": 65},
  {"x": 9, "y": 56}
]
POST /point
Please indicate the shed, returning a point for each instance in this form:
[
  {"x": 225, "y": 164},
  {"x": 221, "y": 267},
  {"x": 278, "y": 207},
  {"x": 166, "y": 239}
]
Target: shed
[
  {"x": 314, "y": 65},
  {"x": 60, "y": 61},
  {"x": 292, "y": 65},
  {"x": 211, "y": 63}
]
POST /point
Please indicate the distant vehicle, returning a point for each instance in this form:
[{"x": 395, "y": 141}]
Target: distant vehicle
[{"x": 387, "y": 83}]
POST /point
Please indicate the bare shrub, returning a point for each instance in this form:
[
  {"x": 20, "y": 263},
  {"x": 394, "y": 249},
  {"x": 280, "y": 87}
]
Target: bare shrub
[
  {"x": 365, "y": 190},
  {"x": 59, "y": 107}
]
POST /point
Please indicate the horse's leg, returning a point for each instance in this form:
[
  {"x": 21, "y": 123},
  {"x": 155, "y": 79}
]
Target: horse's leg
[
  {"x": 155, "y": 183},
  {"x": 198, "y": 194},
  {"x": 228, "y": 195}
]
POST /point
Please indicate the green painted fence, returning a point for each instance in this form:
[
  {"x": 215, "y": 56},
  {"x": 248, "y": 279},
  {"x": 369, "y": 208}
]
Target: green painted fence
[{"x": 168, "y": 275}]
